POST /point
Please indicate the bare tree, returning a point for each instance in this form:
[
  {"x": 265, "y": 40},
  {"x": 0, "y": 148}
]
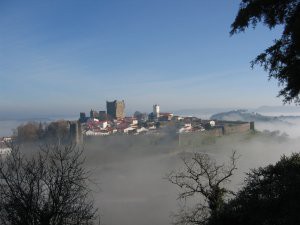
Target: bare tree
[
  {"x": 49, "y": 188},
  {"x": 202, "y": 180}
]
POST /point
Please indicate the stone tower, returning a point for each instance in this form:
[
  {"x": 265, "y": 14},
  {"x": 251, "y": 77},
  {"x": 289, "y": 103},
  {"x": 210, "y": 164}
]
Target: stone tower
[
  {"x": 156, "y": 111},
  {"x": 115, "y": 109},
  {"x": 76, "y": 132}
]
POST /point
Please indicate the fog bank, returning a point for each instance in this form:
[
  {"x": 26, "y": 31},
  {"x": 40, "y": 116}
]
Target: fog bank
[{"x": 130, "y": 176}]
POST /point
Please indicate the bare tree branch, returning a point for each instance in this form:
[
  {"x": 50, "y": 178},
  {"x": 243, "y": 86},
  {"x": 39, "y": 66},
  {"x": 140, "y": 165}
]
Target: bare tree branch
[
  {"x": 50, "y": 188},
  {"x": 203, "y": 179}
]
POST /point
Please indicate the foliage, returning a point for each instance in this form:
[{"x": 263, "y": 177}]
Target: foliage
[
  {"x": 271, "y": 196},
  {"x": 282, "y": 59},
  {"x": 243, "y": 115},
  {"x": 57, "y": 129},
  {"x": 33, "y": 131},
  {"x": 30, "y": 131},
  {"x": 202, "y": 178},
  {"x": 207, "y": 126},
  {"x": 50, "y": 188}
]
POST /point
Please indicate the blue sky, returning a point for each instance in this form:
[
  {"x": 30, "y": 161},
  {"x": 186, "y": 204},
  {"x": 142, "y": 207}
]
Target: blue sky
[{"x": 66, "y": 56}]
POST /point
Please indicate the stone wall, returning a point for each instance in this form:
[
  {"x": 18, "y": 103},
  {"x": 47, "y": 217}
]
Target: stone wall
[
  {"x": 210, "y": 136},
  {"x": 236, "y": 128}
]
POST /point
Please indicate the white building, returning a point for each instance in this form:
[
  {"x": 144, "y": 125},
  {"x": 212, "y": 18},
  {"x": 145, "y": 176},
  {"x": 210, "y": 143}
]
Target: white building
[
  {"x": 212, "y": 123},
  {"x": 156, "y": 110},
  {"x": 103, "y": 125},
  {"x": 128, "y": 129},
  {"x": 186, "y": 129},
  {"x": 96, "y": 133},
  {"x": 142, "y": 130}
]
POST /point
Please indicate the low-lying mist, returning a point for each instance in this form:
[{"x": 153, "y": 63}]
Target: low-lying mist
[
  {"x": 128, "y": 171},
  {"x": 289, "y": 125}
]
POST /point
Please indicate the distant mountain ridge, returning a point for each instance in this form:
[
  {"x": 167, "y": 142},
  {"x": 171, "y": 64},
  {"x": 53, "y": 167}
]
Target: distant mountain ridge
[{"x": 244, "y": 115}]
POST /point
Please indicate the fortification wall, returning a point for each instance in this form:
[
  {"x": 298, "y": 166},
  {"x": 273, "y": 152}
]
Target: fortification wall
[
  {"x": 210, "y": 136},
  {"x": 236, "y": 128}
]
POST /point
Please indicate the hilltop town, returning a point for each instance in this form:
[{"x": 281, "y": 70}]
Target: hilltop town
[{"x": 113, "y": 121}]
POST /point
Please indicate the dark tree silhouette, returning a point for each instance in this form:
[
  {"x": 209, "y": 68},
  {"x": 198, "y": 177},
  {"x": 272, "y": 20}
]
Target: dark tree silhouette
[
  {"x": 203, "y": 179},
  {"x": 48, "y": 189},
  {"x": 271, "y": 196},
  {"x": 28, "y": 132},
  {"x": 281, "y": 60}
]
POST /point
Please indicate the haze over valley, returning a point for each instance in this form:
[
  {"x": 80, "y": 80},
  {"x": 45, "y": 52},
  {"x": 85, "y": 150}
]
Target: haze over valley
[
  {"x": 132, "y": 112},
  {"x": 129, "y": 172}
]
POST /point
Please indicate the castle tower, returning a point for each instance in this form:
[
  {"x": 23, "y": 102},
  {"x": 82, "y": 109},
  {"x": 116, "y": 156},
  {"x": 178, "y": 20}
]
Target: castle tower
[
  {"x": 156, "y": 111},
  {"x": 94, "y": 114},
  {"x": 115, "y": 109},
  {"x": 76, "y": 132}
]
